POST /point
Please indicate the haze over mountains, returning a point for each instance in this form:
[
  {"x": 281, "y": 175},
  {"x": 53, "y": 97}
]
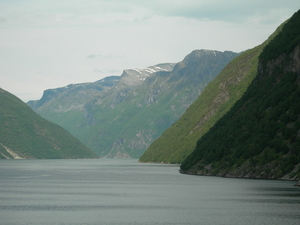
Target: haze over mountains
[{"x": 121, "y": 116}]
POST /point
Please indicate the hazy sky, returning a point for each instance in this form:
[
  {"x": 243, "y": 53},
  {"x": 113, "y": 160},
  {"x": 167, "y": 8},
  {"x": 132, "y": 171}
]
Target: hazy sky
[{"x": 52, "y": 43}]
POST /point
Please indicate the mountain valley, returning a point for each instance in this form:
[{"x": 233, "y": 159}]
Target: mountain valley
[{"x": 126, "y": 114}]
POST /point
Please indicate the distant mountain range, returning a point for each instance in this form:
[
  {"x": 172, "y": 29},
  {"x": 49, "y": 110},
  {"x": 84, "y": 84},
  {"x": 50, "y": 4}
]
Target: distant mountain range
[
  {"x": 119, "y": 117},
  {"x": 26, "y": 135}
]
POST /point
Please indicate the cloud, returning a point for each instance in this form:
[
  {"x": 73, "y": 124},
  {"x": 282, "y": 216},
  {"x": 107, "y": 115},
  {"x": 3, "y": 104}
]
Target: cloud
[
  {"x": 109, "y": 56},
  {"x": 2, "y": 20},
  {"x": 67, "y": 39},
  {"x": 91, "y": 56},
  {"x": 119, "y": 12},
  {"x": 233, "y": 11},
  {"x": 96, "y": 70}
]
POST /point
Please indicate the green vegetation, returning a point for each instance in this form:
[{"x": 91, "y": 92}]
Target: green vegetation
[
  {"x": 285, "y": 41},
  {"x": 124, "y": 120},
  {"x": 259, "y": 136},
  {"x": 177, "y": 142},
  {"x": 28, "y": 135}
]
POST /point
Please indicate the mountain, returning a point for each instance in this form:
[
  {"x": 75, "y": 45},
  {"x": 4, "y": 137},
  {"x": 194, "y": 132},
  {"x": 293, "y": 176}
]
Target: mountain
[
  {"x": 259, "y": 137},
  {"x": 24, "y": 134},
  {"x": 72, "y": 96},
  {"x": 178, "y": 141},
  {"x": 122, "y": 120}
]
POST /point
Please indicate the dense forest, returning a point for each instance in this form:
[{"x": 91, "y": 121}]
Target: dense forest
[{"x": 260, "y": 136}]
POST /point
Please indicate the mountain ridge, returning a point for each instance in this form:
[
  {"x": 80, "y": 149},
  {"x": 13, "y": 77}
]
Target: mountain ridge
[
  {"x": 124, "y": 119},
  {"x": 178, "y": 141}
]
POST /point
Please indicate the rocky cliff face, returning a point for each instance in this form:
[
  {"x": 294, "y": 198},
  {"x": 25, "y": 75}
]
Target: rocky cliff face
[
  {"x": 290, "y": 62},
  {"x": 135, "y": 77},
  {"x": 124, "y": 119}
]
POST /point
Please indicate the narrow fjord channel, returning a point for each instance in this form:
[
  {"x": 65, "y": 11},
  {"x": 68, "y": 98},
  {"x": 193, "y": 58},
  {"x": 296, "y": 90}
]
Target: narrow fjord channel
[{"x": 114, "y": 192}]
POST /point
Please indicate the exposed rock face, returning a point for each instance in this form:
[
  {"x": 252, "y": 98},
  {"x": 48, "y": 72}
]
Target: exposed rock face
[
  {"x": 123, "y": 119},
  {"x": 248, "y": 170},
  {"x": 134, "y": 77},
  {"x": 10, "y": 154},
  {"x": 292, "y": 59}
]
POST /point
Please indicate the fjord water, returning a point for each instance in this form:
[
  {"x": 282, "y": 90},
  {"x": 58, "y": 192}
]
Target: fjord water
[{"x": 114, "y": 192}]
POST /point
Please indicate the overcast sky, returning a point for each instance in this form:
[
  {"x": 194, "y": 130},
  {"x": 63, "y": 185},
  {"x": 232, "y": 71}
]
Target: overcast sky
[{"x": 52, "y": 43}]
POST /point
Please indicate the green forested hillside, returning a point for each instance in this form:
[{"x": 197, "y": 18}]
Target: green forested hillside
[
  {"x": 260, "y": 136},
  {"x": 219, "y": 96},
  {"x": 24, "y": 134}
]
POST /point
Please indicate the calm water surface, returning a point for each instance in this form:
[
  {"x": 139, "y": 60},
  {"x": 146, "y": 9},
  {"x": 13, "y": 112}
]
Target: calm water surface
[{"x": 114, "y": 192}]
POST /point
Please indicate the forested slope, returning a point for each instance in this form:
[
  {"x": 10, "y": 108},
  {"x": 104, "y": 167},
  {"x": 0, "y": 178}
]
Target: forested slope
[
  {"x": 260, "y": 136},
  {"x": 219, "y": 96},
  {"x": 24, "y": 134}
]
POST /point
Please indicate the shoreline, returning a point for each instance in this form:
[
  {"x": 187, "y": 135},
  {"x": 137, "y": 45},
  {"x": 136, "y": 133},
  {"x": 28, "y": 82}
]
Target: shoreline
[{"x": 242, "y": 177}]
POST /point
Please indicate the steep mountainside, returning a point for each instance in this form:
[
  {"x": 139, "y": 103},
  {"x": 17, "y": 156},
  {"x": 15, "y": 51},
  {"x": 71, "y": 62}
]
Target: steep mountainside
[
  {"x": 177, "y": 142},
  {"x": 24, "y": 134},
  {"x": 260, "y": 136},
  {"x": 123, "y": 120}
]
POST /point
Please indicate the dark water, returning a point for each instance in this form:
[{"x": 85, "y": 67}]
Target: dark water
[{"x": 65, "y": 192}]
